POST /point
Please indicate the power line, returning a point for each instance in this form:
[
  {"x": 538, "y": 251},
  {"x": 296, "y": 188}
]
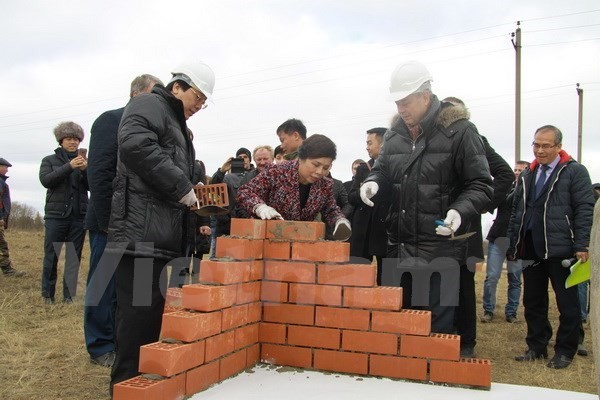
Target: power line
[
  {"x": 561, "y": 15},
  {"x": 569, "y": 41},
  {"x": 564, "y": 27}
]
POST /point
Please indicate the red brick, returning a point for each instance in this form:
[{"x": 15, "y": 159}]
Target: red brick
[
  {"x": 219, "y": 345},
  {"x": 168, "y": 359},
  {"x": 173, "y": 298},
  {"x": 300, "y": 357},
  {"x": 437, "y": 346},
  {"x": 255, "y": 312},
  {"x": 274, "y": 291},
  {"x": 148, "y": 389},
  {"x": 289, "y": 313},
  {"x": 469, "y": 371},
  {"x": 406, "y": 322},
  {"x": 272, "y": 333},
  {"x": 233, "y": 364},
  {"x": 295, "y": 230},
  {"x": 256, "y": 270},
  {"x": 248, "y": 228},
  {"x": 398, "y": 367},
  {"x": 224, "y": 272},
  {"x": 245, "y": 336},
  {"x": 234, "y": 317},
  {"x": 168, "y": 310},
  {"x": 325, "y": 295},
  {"x": 377, "y": 298},
  {"x": 338, "y": 361},
  {"x": 347, "y": 274},
  {"x": 310, "y": 336},
  {"x": 189, "y": 326},
  {"x": 342, "y": 318},
  {"x": 206, "y": 298},
  {"x": 370, "y": 342},
  {"x": 252, "y": 355},
  {"x": 238, "y": 248},
  {"x": 248, "y": 292},
  {"x": 277, "y": 249},
  {"x": 199, "y": 379},
  {"x": 321, "y": 251},
  {"x": 290, "y": 271}
]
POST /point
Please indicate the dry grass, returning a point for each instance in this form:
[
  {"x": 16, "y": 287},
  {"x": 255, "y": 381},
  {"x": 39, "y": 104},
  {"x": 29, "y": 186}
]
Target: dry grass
[{"x": 43, "y": 354}]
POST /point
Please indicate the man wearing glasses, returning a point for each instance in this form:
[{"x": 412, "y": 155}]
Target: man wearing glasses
[
  {"x": 551, "y": 221},
  {"x": 152, "y": 192}
]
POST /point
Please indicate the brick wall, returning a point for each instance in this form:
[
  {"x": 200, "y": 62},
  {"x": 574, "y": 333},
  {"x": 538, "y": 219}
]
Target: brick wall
[{"x": 281, "y": 294}]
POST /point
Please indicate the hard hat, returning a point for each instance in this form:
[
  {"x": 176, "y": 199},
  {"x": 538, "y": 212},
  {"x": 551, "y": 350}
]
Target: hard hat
[
  {"x": 198, "y": 75},
  {"x": 407, "y": 78}
]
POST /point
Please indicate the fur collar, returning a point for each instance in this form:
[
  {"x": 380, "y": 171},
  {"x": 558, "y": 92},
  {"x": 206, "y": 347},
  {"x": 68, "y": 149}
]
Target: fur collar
[{"x": 452, "y": 113}]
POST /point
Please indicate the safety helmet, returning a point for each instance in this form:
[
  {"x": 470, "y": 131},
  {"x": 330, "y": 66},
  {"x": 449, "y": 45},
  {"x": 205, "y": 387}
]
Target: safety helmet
[
  {"x": 407, "y": 78},
  {"x": 198, "y": 75}
]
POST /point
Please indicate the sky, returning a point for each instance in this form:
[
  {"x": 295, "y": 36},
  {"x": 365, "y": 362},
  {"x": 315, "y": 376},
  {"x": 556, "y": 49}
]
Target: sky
[{"x": 327, "y": 63}]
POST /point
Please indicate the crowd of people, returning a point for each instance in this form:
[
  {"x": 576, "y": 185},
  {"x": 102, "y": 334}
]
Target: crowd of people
[{"x": 414, "y": 209}]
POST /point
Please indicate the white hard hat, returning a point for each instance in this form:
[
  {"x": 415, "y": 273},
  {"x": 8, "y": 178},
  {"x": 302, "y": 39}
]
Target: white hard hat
[
  {"x": 407, "y": 78},
  {"x": 198, "y": 75}
]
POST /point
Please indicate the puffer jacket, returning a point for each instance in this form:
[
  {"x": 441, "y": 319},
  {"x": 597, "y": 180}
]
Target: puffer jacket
[
  {"x": 567, "y": 208},
  {"x": 444, "y": 168},
  {"x": 155, "y": 169},
  {"x": 64, "y": 186},
  {"x": 5, "y": 203}
]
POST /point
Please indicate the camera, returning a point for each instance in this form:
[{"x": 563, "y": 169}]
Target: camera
[
  {"x": 82, "y": 153},
  {"x": 237, "y": 166}
]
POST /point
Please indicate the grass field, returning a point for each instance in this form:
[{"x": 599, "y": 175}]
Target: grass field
[{"x": 43, "y": 355}]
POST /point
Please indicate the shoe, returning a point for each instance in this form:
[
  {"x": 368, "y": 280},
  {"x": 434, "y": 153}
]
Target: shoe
[
  {"x": 531, "y": 355},
  {"x": 105, "y": 360},
  {"x": 559, "y": 361},
  {"x": 467, "y": 352},
  {"x": 68, "y": 300},
  {"x": 487, "y": 317},
  {"x": 581, "y": 351},
  {"x": 48, "y": 300},
  {"x": 511, "y": 319},
  {"x": 10, "y": 271}
]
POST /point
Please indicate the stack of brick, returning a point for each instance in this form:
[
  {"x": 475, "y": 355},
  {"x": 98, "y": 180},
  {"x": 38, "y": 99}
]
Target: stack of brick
[{"x": 280, "y": 294}]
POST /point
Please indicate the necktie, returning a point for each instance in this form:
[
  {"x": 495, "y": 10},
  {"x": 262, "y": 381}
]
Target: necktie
[{"x": 539, "y": 185}]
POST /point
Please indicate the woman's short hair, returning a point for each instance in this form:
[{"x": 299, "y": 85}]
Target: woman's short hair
[{"x": 317, "y": 146}]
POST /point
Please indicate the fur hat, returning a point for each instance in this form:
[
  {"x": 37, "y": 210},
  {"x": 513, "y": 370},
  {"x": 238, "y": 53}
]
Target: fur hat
[
  {"x": 68, "y": 130},
  {"x": 243, "y": 150}
]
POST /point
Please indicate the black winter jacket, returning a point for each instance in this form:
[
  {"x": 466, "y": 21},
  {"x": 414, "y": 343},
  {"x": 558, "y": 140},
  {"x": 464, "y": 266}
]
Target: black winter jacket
[
  {"x": 64, "y": 185},
  {"x": 444, "y": 168},
  {"x": 566, "y": 208},
  {"x": 155, "y": 169}
]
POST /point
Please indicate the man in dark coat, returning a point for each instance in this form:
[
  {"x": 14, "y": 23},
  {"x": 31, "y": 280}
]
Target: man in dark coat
[
  {"x": 5, "y": 204},
  {"x": 431, "y": 172},
  {"x": 153, "y": 191},
  {"x": 550, "y": 222},
  {"x": 99, "y": 311}
]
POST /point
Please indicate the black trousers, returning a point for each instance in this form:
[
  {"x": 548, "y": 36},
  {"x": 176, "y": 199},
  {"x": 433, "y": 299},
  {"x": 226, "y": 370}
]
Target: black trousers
[
  {"x": 140, "y": 286},
  {"x": 466, "y": 312}
]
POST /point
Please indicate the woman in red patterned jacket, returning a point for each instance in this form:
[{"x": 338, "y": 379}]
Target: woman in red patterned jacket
[{"x": 298, "y": 190}]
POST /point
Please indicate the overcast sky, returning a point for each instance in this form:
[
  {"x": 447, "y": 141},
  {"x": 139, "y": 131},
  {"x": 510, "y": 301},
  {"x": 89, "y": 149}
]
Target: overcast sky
[{"x": 325, "y": 62}]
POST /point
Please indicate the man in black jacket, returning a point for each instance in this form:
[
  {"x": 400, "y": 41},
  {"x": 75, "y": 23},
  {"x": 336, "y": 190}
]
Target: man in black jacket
[
  {"x": 5, "y": 205},
  {"x": 153, "y": 191},
  {"x": 431, "y": 171},
  {"x": 100, "y": 297},
  {"x": 550, "y": 222}
]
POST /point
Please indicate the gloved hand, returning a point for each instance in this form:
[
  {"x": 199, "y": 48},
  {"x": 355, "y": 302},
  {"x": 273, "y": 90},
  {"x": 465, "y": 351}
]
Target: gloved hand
[
  {"x": 342, "y": 230},
  {"x": 368, "y": 190},
  {"x": 451, "y": 224},
  {"x": 263, "y": 211},
  {"x": 189, "y": 199}
]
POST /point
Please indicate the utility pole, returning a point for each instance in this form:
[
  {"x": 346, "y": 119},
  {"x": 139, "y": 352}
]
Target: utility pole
[
  {"x": 579, "y": 123},
  {"x": 516, "y": 41}
]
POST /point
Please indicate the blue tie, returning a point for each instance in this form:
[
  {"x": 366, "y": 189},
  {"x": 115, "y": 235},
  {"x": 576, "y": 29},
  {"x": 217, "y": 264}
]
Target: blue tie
[{"x": 539, "y": 185}]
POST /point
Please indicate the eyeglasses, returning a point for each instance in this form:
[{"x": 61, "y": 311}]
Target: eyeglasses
[
  {"x": 537, "y": 146},
  {"x": 200, "y": 99}
]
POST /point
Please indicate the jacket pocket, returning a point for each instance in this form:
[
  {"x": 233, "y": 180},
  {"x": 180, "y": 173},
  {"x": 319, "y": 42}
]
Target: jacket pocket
[{"x": 164, "y": 226}]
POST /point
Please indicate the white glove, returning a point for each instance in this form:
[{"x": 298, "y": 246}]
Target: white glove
[
  {"x": 342, "y": 230},
  {"x": 451, "y": 224},
  {"x": 189, "y": 199},
  {"x": 368, "y": 190},
  {"x": 263, "y": 211}
]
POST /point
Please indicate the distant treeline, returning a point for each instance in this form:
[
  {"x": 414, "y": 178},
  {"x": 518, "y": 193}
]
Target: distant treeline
[{"x": 25, "y": 217}]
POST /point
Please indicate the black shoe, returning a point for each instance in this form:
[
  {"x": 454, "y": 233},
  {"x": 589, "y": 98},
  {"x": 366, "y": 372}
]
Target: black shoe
[
  {"x": 105, "y": 360},
  {"x": 531, "y": 355},
  {"x": 467, "y": 352},
  {"x": 559, "y": 361},
  {"x": 511, "y": 319},
  {"x": 48, "y": 300},
  {"x": 581, "y": 351},
  {"x": 10, "y": 271},
  {"x": 68, "y": 300},
  {"x": 487, "y": 317}
]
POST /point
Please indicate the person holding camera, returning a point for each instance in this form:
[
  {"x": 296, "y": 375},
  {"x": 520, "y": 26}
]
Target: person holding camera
[
  {"x": 64, "y": 175},
  {"x": 298, "y": 190}
]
